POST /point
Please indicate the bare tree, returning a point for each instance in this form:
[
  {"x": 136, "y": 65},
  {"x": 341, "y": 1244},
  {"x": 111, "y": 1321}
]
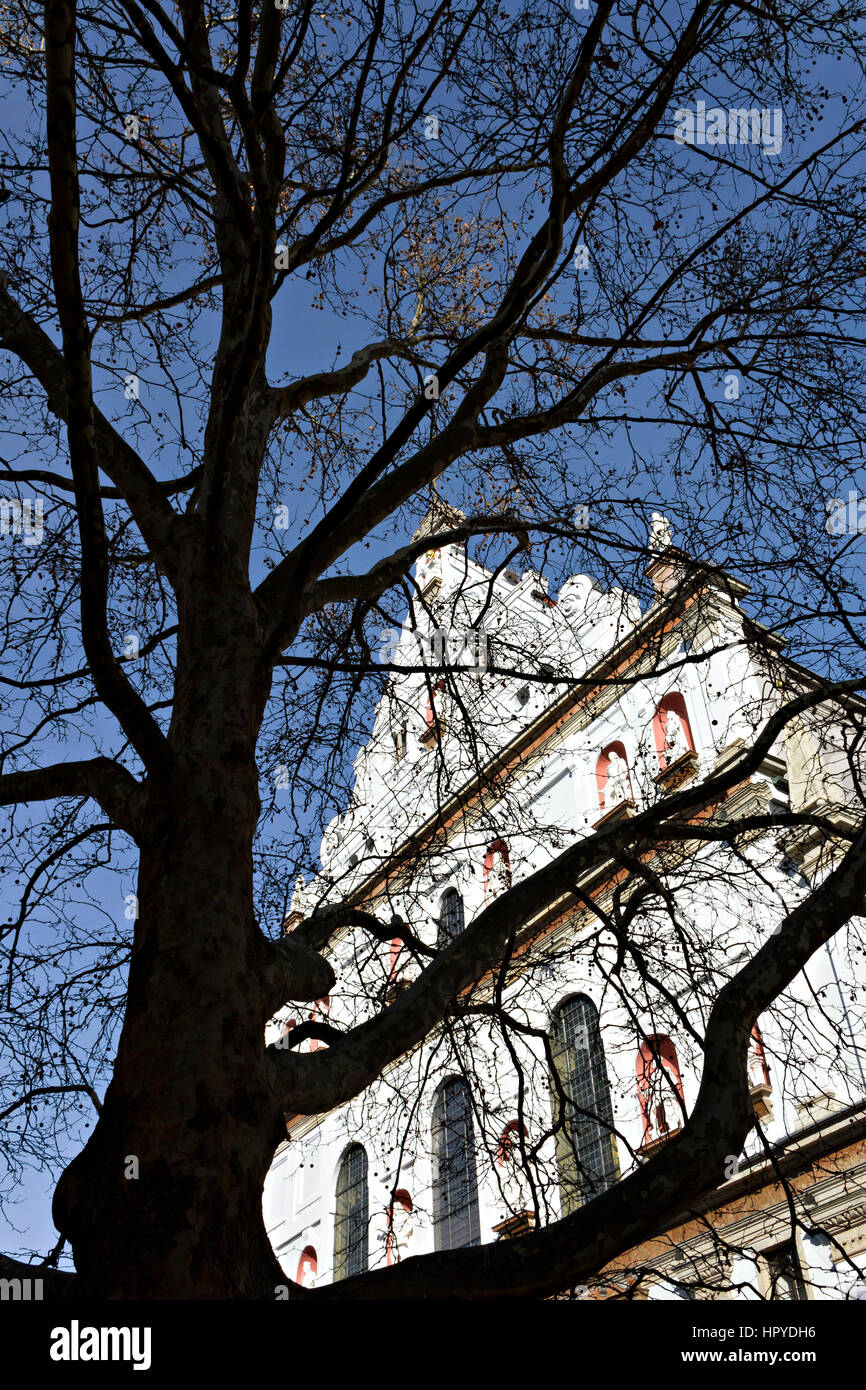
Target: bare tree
[{"x": 273, "y": 275}]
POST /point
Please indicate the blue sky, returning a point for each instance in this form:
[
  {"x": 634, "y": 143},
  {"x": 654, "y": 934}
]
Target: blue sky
[{"x": 623, "y": 472}]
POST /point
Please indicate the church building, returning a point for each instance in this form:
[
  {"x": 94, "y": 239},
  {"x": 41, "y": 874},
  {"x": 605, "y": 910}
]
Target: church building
[{"x": 512, "y": 725}]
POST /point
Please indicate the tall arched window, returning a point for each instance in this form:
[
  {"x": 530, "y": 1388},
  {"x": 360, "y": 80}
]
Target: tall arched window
[
  {"x": 659, "y": 1085},
  {"x": 455, "y": 1188},
  {"x": 585, "y": 1144},
  {"x": 308, "y": 1266},
  {"x": 353, "y": 1214},
  {"x": 451, "y": 919}
]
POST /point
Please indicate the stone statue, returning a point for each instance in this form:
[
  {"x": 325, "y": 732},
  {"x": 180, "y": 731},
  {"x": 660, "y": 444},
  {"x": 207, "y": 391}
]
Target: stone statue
[
  {"x": 657, "y": 1095},
  {"x": 515, "y": 1188},
  {"x": 573, "y": 596},
  {"x": 660, "y": 532},
  {"x": 497, "y": 877},
  {"x": 617, "y": 788},
  {"x": 401, "y": 1232},
  {"x": 513, "y": 1179},
  {"x": 299, "y": 897},
  {"x": 757, "y": 1075},
  {"x": 428, "y": 569},
  {"x": 676, "y": 743}
]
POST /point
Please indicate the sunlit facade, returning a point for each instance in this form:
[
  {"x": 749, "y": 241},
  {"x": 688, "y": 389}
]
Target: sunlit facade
[{"x": 607, "y": 708}]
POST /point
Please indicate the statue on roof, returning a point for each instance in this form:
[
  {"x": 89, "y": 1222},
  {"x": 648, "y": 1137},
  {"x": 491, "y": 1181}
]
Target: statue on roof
[
  {"x": 660, "y": 537},
  {"x": 441, "y": 516},
  {"x": 573, "y": 596}
]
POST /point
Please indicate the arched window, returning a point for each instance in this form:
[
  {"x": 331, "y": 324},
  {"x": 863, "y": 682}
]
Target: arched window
[
  {"x": 612, "y": 777},
  {"x": 455, "y": 1186},
  {"x": 308, "y": 1266},
  {"x": 353, "y": 1213},
  {"x": 659, "y": 1083},
  {"x": 451, "y": 918},
  {"x": 497, "y": 870},
  {"x": 585, "y": 1144},
  {"x": 671, "y": 730}
]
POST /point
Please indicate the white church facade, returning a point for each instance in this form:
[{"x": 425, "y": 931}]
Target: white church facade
[{"x": 550, "y": 719}]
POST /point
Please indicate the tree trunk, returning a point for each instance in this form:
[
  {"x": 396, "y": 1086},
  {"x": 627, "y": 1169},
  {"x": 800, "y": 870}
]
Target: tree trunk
[{"x": 164, "y": 1201}]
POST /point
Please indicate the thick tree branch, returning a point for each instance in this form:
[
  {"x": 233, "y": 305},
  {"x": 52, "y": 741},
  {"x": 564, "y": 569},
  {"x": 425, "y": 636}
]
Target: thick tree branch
[
  {"x": 316, "y": 931},
  {"x": 50, "y": 479},
  {"x": 392, "y": 568},
  {"x": 159, "y": 306},
  {"x": 291, "y": 970},
  {"x": 311, "y": 1028},
  {"x": 286, "y": 399},
  {"x": 105, "y": 781}
]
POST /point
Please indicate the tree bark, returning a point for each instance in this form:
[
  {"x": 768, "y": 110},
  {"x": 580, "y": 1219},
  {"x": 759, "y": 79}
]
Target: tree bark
[{"x": 164, "y": 1201}]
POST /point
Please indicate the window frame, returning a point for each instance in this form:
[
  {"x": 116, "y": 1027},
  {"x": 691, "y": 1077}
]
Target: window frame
[
  {"x": 783, "y": 1263},
  {"x": 446, "y": 933},
  {"x": 456, "y": 1210},
  {"x": 352, "y": 1217},
  {"x": 596, "y": 1149}
]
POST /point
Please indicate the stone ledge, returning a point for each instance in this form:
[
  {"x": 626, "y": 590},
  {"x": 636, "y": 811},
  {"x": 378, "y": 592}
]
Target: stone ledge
[
  {"x": 675, "y": 774},
  {"x": 623, "y": 810}
]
